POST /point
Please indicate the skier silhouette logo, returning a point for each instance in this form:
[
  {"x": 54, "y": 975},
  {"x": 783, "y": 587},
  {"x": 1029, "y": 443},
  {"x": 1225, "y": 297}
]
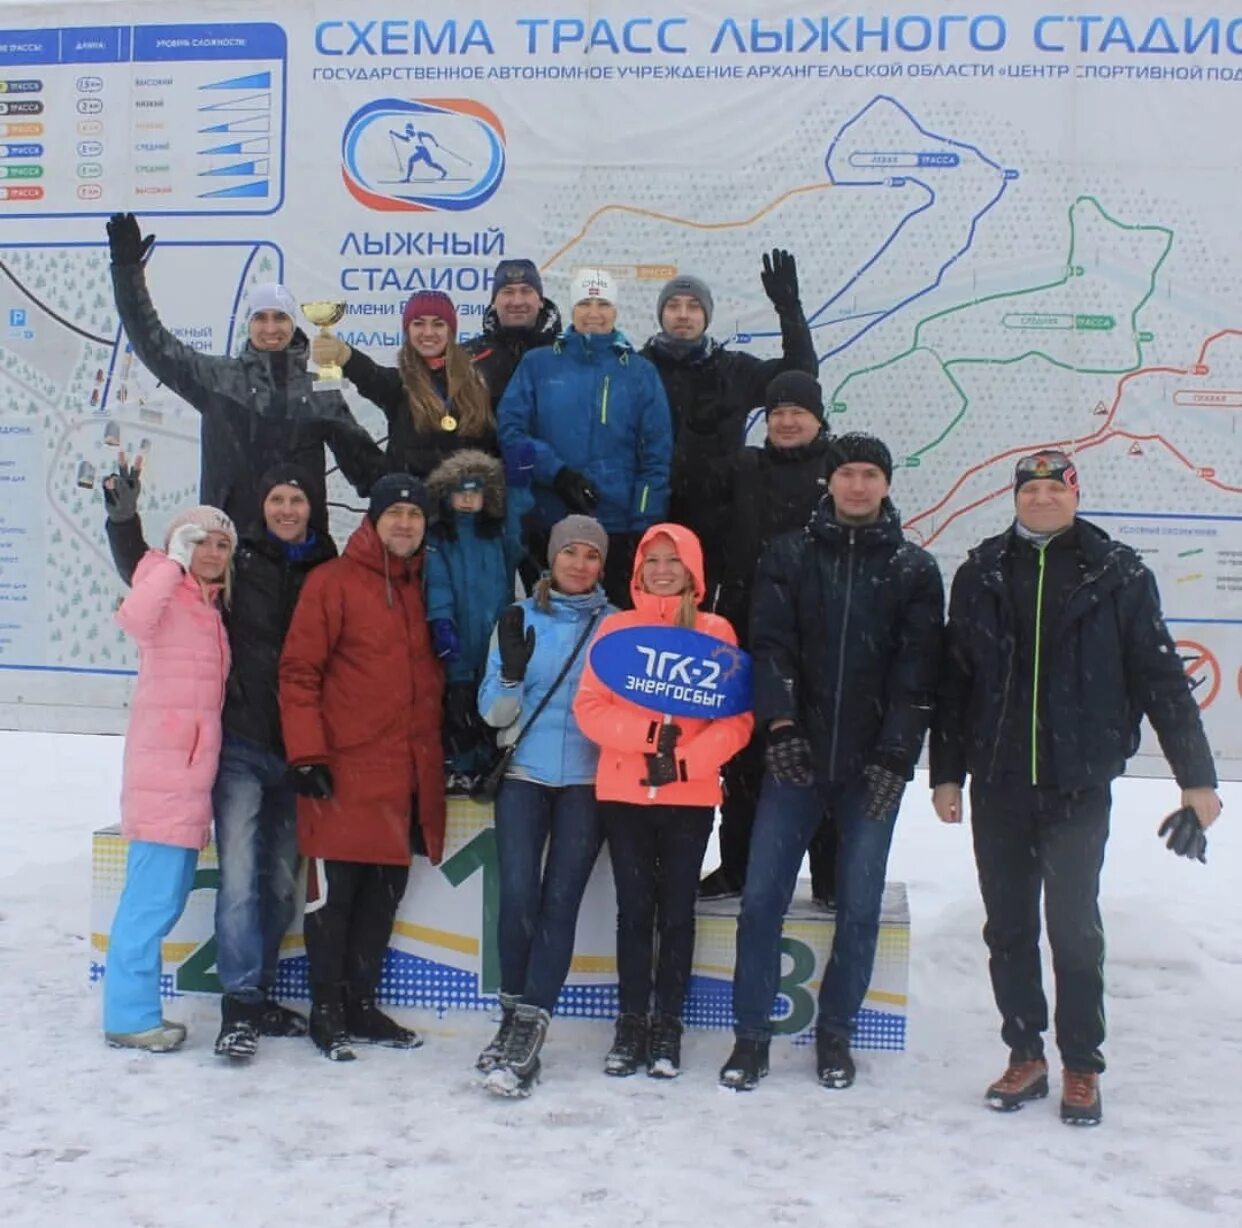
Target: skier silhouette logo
[
  {"x": 422, "y": 142},
  {"x": 423, "y": 154}
]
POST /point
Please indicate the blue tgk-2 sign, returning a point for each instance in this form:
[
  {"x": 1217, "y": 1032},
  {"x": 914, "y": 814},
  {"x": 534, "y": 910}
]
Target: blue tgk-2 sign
[{"x": 674, "y": 670}]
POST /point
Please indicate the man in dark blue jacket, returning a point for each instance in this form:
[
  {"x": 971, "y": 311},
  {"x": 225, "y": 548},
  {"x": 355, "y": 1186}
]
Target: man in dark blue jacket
[
  {"x": 1055, "y": 651},
  {"x": 845, "y": 633}
]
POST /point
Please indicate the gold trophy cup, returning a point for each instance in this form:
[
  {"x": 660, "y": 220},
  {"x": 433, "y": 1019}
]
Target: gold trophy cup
[{"x": 325, "y": 313}]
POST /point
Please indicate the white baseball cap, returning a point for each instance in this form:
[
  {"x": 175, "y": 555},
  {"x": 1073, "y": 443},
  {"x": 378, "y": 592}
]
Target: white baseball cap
[
  {"x": 593, "y": 283},
  {"x": 270, "y": 296}
]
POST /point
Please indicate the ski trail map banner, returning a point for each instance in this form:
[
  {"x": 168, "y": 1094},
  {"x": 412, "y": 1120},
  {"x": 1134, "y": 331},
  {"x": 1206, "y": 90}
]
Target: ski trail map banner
[{"x": 1015, "y": 227}]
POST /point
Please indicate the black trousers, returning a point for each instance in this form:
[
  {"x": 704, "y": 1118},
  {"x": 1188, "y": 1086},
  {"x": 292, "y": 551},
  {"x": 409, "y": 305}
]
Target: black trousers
[
  {"x": 741, "y": 777},
  {"x": 350, "y": 910},
  {"x": 1031, "y": 841},
  {"x": 657, "y": 854}
]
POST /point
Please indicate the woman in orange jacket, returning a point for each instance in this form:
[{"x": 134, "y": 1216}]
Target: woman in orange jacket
[{"x": 658, "y": 785}]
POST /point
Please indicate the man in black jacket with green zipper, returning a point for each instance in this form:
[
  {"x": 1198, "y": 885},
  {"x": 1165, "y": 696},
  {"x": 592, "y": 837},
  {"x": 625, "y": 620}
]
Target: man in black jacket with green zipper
[{"x": 1055, "y": 651}]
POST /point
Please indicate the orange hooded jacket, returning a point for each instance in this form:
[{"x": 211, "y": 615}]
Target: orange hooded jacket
[{"x": 626, "y": 732}]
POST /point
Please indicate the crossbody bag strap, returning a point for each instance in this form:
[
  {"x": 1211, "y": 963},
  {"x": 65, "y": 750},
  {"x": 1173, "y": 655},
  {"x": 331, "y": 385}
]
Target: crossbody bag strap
[{"x": 547, "y": 695}]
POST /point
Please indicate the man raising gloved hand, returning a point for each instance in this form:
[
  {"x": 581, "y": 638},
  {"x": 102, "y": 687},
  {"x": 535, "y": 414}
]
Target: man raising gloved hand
[{"x": 780, "y": 281}]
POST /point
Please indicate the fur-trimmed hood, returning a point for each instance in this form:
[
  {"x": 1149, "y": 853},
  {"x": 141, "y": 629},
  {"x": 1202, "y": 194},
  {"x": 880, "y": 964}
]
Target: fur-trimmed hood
[{"x": 449, "y": 473}]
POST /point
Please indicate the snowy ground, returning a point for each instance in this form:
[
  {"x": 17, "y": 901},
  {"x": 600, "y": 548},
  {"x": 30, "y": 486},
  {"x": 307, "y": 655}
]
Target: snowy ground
[{"x": 90, "y": 1135}]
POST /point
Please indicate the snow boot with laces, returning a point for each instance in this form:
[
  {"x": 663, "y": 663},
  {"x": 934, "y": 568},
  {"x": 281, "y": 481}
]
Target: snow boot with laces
[{"x": 629, "y": 1046}]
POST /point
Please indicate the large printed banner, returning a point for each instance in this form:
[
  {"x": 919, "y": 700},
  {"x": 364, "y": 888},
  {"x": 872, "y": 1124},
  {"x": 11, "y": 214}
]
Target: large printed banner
[
  {"x": 443, "y": 954},
  {"x": 1015, "y": 227}
]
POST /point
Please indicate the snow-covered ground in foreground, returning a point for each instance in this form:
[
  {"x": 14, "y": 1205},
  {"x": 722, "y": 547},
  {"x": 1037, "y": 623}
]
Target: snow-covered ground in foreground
[{"x": 98, "y": 1137}]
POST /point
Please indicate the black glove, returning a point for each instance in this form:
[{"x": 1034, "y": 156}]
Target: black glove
[
  {"x": 126, "y": 241},
  {"x": 1186, "y": 837},
  {"x": 667, "y": 741},
  {"x": 575, "y": 491},
  {"x": 661, "y": 770},
  {"x": 516, "y": 642},
  {"x": 121, "y": 489},
  {"x": 312, "y": 780},
  {"x": 787, "y": 757},
  {"x": 461, "y": 705},
  {"x": 884, "y": 790},
  {"x": 780, "y": 280}
]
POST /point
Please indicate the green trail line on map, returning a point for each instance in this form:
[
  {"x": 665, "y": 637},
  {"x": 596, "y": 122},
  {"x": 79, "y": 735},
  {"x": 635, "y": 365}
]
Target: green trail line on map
[{"x": 916, "y": 346}]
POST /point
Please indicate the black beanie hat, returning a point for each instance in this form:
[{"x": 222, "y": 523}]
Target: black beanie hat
[
  {"x": 397, "y": 488},
  {"x": 795, "y": 388},
  {"x": 860, "y": 448},
  {"x": 285, "y": 473}
]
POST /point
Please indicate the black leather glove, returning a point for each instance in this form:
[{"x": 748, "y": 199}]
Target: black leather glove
[
  {"x": 312, "y": 780},
  {"x": 787, "y": 756},
  {"x": 126, "y": 241},
  {"x": 121, "y": 490},
  {"x": 780, "y": 280},
  {"x": 516, "y": 642},
  {"x": 667, "y": 741},
  {"x": 884, "y": 790},
  {"x": 575, "y": 491},
  {"x": 661, "y": 770},
  {"x": 1186, "y": 837}
]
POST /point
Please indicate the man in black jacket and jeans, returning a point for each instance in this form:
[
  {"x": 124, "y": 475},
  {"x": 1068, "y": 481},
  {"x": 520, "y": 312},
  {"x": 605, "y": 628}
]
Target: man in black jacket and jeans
[
  {"x": 845, "y": 633},
  {"x": 762, "y": 493},
  {"x": 253, "y": 802},
  {"x": 1055, "y": 651},
  {"x": 711, "y": 390}
]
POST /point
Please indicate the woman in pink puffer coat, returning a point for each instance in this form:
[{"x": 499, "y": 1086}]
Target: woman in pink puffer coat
[{"x": 172, "y": 748}]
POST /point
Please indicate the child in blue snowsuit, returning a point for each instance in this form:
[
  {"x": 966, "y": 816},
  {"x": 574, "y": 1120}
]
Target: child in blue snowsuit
[{"x": 473, "y": 553}]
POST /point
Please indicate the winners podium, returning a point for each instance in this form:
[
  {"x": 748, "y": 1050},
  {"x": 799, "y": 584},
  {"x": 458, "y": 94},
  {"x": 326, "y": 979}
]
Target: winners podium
[{"x": 443, "y": 955}]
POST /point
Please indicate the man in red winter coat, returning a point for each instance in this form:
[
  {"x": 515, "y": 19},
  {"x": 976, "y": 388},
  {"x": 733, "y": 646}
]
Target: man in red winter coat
[{"x": 360, "y": 693}]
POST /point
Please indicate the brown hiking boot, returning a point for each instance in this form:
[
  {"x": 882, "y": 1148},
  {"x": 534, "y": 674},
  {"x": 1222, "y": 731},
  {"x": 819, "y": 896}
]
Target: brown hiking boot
[
  {"x": 1080, "y": 1098},
  {"x": 1022, "y": 1081}
]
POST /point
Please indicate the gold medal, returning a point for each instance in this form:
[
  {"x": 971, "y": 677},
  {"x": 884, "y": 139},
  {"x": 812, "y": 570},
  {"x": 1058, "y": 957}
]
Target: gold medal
[{"x": 448, "y": 423}]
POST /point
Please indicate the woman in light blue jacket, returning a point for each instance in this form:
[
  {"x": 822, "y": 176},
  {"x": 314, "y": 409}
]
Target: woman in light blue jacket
[{"x": 547, "y": 796}]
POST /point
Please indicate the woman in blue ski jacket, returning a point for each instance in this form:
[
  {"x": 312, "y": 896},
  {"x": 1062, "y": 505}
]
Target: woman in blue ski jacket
[{"x": 548, "y": 794}]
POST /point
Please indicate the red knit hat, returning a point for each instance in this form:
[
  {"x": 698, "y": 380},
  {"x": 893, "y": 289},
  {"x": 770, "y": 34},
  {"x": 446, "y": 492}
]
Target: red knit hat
[{"x": 430, "y": 303}]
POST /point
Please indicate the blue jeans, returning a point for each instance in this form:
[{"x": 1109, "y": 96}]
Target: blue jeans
[
  {"x": 539, "y": 899},
  {"x": 787, "y": 818},
  {"x": 257, "y": 844},
  {"x": 158, "y": 881}
]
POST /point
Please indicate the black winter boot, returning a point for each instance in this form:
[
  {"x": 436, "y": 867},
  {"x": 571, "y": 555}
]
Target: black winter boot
[
  {"x": 239, "y": 1028},
  {"x": 747, "y": 1064},
  {"x": 277, "y": 1020},
  {"x": 490, "y": 1057},
  {"x": 517, "y": 1071},
  {"x": 327, "y": 1024},
  {"x": 629, "y": 1046},
  {"x": 834, "y": 1066},
  {"x": 664, "y": 1053},
  {"x": 365, "y": 1021}
]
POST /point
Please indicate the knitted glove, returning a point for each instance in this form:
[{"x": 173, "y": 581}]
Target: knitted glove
[
  {"x": 884, "y": 790},
  {"x": 787, "y": 757},
  {"x": 181, "y": 544}
]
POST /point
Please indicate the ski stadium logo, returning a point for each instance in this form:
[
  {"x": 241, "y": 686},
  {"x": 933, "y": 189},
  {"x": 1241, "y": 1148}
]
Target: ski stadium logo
[{"x": 423, "y": 154}]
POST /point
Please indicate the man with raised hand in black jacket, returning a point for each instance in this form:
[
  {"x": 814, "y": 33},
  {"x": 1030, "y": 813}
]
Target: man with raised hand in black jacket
[
  {"x": 762, "y": 494},
  {"x": 257, "y": 408},
  {"x": 254, "y": 804},
  {"x": 519, "y": 319},
  {"x": 711, "y": 390},
  {"x": 845, "y": 632},
  {"x": 1055, "y": 651}
]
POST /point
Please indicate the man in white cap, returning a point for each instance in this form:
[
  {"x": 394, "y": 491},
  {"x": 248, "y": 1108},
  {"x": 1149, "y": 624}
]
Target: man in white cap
[
  {"x": 597, "y": 417},
  {"x": 258, "y": 408}
]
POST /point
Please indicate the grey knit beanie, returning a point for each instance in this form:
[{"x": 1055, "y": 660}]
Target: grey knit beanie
[
  {"x": 577, "y": 529},
  {"x": 685, "y": 283}
]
